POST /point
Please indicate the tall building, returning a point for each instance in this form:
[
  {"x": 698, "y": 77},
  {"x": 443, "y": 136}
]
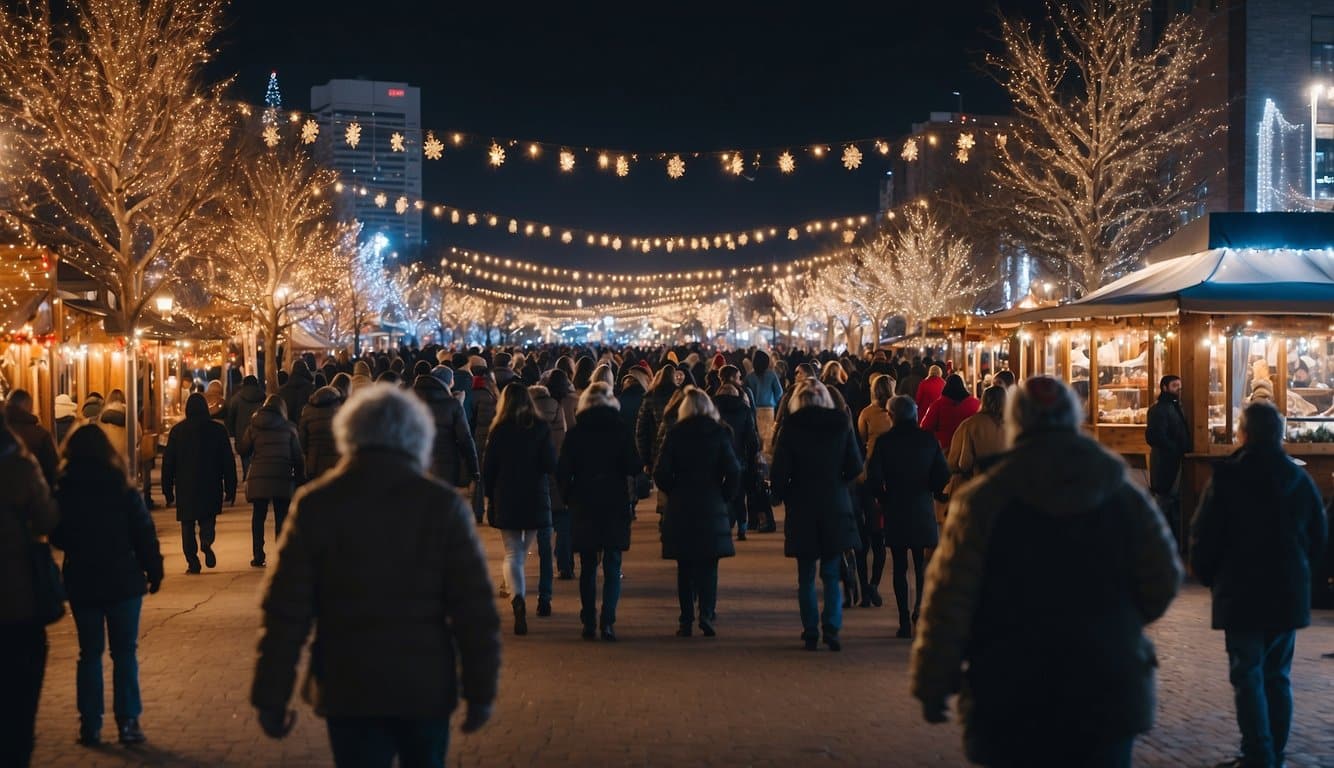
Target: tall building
[
  {"x": 1266, "y": 61},
  {"x": 381, "y": 109}
]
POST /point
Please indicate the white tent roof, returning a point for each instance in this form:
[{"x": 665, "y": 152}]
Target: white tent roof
[{"x": 1218, "y": 280}]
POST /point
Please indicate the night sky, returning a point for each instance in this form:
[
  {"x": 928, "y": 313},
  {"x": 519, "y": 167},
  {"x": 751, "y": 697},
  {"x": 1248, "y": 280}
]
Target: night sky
[{"x": 684, "y": 81}]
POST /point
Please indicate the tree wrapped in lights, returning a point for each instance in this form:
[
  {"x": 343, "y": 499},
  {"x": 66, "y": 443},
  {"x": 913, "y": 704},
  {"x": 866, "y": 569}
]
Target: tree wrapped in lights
[
  {"x": 415, "y": 297},
  {"x": 113, "y": 144},
  {"x": 361, "y": 291},
  {"x": 930, "y": 268},
  {"x": 872, "y": 290},
  {"x": 794, "y": 301},
  {"x": 833, "y": 302},
  {"x": 1105, "y": 153},
  {"x": 281, "y": 248}
]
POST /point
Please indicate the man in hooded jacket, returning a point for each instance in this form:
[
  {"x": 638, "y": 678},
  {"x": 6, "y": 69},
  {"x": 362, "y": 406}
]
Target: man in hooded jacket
[
  {"x": 199, "y": 472},
  {"x": 297, "y": 391}
]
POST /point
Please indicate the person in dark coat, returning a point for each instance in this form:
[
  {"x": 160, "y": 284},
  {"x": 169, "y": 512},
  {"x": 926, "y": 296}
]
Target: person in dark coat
[
  {"x": 277, "y": 467},
  {"x": 26, "y": 511},
  {"x": 631, "y": 397},
  {"x": 736, "y": 413},
  {"x": 401, "y": 607},
  {"x": 516, "y": 470},
  {"x": 548, "y": 410},
  {"x": 319, "y": 449},
  {"x": 596, "y": 463},
  {"x": 1259, "y": 531},
  {"x": 453, "y": 453},
  {"x": 906, "y": 471},
  {"x": 650, "y": 414},
  {"x": 41, "y": 446},
  {"x": 248, "y": 399},
  {"x": 699, "y": 472},
  {"x": 1169, "y": 441},
  {"x": 1052, "y": 563},
  {"x": 297, "y": 391},
  {"x": 816, "y": 458},
  {"x": 112, "y": 558},
  {"x": 198, "y": 475}
]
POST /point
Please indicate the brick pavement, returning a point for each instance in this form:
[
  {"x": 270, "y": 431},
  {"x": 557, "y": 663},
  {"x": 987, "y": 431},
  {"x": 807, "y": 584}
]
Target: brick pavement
[{"x": 750, "y": 696}]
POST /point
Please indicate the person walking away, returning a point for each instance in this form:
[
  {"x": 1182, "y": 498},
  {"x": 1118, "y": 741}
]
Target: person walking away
[
  {"x": 35, "y": 438},
  {"x": 872, "y": 422},
  {"x": 26, "y": 512},
  {"x": 248, "y": 399},
  {"x": 1051, "y": 565},
  {"x": 112, "y": 558},
  {"x": 816, "y": 458},
  {"x": 905, "y": 472},
  {"x": 930, "y": 389},
  {"x": 699, "y": 472},
  {"x": 217, "y": 401},
  {"x": 66, "y": 417},
  {"x": 198, "y": 475},
  {"x": 736, "y": 413},
  {"x": 1256, "y": 536},
  {"x": 277, "y": 467},
  {"x": 297, "y": 391},
  {"x": 1169, "y": 441},
  {"x": 768, "y": 390},
  {"x": 402, "y": 610},
  {"x": 453, "y": 453},
  {"x": 515, "y": 474},
  {"x": 978, "y": 441},
  {"x": 548, "y": 410},
  {"x": 596, "y": 462},
  {"x": 315, "y": 431},
  {"x": 949, "y": 410}
]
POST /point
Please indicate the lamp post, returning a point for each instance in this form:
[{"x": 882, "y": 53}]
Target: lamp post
[{"x": 165, "y": 303}]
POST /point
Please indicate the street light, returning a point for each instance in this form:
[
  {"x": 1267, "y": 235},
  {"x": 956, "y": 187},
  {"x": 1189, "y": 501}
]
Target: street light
[{"x": 165, "y": 303}]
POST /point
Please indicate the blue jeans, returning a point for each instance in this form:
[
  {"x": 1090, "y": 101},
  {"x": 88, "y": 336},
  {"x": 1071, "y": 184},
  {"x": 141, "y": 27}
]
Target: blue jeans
[
  {"x": 588, "y": 585},
  {"x": 811, "y": 619},
  {"x": 517, "y": 543},
  {"x": 96, "y": 624},
  {"x": 372, "y": 742},
  {"x": 1258, "y": 666}
]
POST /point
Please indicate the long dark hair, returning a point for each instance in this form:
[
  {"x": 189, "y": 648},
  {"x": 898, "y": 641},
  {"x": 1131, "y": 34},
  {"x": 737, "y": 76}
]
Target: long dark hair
[
  {"x": 663, "y": 379},
  {"x": 516, "y": 405},
  {"x": 760, "y": 362},
  {"x": 558, "y": 383},
  {"x": 955, "y": 389},
  {"x": 87, "y": 447},
  {"x": 583, "y": 373}
]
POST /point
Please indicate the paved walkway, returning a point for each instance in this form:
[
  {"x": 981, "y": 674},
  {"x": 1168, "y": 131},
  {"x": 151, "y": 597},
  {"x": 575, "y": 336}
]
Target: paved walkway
[{"x": 751, "y": 696}]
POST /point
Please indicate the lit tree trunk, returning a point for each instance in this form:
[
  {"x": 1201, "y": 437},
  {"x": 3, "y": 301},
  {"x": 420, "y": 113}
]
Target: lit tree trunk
[{"x": 271, "y": 355}]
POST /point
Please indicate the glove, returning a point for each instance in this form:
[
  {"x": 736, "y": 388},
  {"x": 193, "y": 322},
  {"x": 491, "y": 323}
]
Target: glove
[
  {"x": 477, "y": 716},
  {"x": 277, "y": 723},
  {"x": 935, "y": 711},
  {"x": 154, "y": 585}
]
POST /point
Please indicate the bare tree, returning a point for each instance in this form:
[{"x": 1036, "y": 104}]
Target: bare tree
[
  {"x": 870, "y": 288},
  {"x": 281, "y": 247},
  {"x": 831, "y": 296},
  {"x": 1106, "y": 148},
  {"x": 415, "y": 298},
  {"x": 930, "y": 268},
  {"x": 113, "y": 141}
]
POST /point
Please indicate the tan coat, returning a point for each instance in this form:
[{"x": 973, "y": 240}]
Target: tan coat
[{"x": 977, "y": 439}]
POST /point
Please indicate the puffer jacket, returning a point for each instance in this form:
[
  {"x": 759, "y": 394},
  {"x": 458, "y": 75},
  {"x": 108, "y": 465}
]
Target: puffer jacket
[
  {"x": 596, "y": 461},
  {"x": 26, "y": 510},
  {"x": 276, "y": 463},
  {"x": 110, "y": 545},
  {"x": 700, "y": 474},
  {"x": 649, "y": 424},
  {"x": 815, "y": 460},
  {"x": 516, "y": 475},
  {"x": 905, "y": 471},
  {"x": 297, "y": 391},
  {"x": 244, "y": 403},
  {"x": 38, "y": 442},
  {"x": 976, "y": 445},
  {"x": 1051, "y": 564},
  {"x": 484, "y": 404},
  {"x": 320, "y": 450},
  {"x": 453, "y": 454},
  {"x": 550, "y": 411}
]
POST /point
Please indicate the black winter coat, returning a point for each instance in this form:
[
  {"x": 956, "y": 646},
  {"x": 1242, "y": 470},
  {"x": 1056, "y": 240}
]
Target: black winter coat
[
  {"x": 320, "y": 450},
  {"x": 243, "y": 405},
  {"x": 631, "y": 398},
  {"x": 276, "y": 464},
  {"x": 38, "y": 441},
  {"x": 905, "y": 471},
  {"x": 648, "y": 422},
  {"x": 549, "y": 410},
  {"x": 110, "y": 545},
  {"x": 736, "y": 413},
  {"x": 198, "y": 467},
  {"x": 815, "y": 460},
  {"x": 483, "y": 413},
  {"x": 700, "y": 474},
  {"x": 1169, "y": 441},
  {"x": 296, "y": 393},
  {"x": 516, "y": 474},
  {"x": 1258, "y": 533},
  {"x": 596, "y": 462},
  {"x": 453, "y": 455}
]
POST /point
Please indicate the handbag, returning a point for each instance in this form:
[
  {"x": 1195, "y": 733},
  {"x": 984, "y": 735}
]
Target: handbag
[{"x": 48, "y": 593}]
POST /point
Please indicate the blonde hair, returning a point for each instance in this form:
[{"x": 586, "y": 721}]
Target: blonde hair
[
  {"x": 833, "y": 371},
  {"x": 809, "y": 393},
  {"x": 597, "y": 394},
  {"x": 694, "y": 402}
]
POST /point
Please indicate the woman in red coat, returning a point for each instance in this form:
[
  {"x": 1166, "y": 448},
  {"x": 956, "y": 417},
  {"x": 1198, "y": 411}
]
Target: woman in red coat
[
  {"x": 929, "y": 390},
  {"x": 948, "y": 411}
]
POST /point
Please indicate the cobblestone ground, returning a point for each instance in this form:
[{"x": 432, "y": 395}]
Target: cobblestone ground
[{"x": 750, "y": 696}]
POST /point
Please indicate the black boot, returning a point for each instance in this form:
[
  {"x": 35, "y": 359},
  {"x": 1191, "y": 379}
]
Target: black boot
[
  {"x": 543, "y": 607},
  {"x": 608, "y": 634},
  {"x": 812, "y": 641},
  {"x": 873, "y": 591},
  {"x": 520, "y": 616},
  {"x": 831, "y": 640},
  {"x": 130, "y": 732},
  {"x": 905, "y": 626},
  {"x": 90, "y": 734}
]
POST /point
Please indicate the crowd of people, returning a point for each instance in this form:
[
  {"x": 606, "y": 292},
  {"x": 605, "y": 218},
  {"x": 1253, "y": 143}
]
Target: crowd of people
[{"x": 1041, "y": 549}]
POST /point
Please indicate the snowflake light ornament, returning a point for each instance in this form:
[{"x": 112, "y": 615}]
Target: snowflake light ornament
[
  {"x": 849, "y": 235},
  {"x": 472, "y": 219},
  {"x": 909, "y": 152},
  {"x": 567, "y": 236},
  {"x": 401, "y": 206},
  {"x": 616, "y": 244},
  {"x": 454, "y": 217},
  {"x": 852, "y": 157},
  {"x": 792, "y": 233},
  {"x": 676, "y": 167},
  {"x": 786, "y": 163},
  {"x": 496, "y": 155},
  {"x": 396, "y": 142},
  {"x": 433, "y": 148},
  {"x": 882, "y": 147},
  {"x": 734, "y": 164},
  {"x": 645, "y": 246},
  {"x": 310, "y": 131},
  {"x": 745, "y": 238},
  {"x": 514, "y": 227},
  {"x": 566, "y": 161},
  {"x": 546, "y": 231},
  {"x": 622, "y": 166},
  {"x": 270, "y": 135},
  {"x": 1001, "y": 139},
  {"x": 966, "y": 141},
  {"x": 352, "y": 135},
  {"x": 381, "y": 200}
]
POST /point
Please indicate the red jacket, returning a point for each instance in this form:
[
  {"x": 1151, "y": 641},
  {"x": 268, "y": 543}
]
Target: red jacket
[
  {"x": 927, "y": 393},
  {"x": 945, "y": 415}
]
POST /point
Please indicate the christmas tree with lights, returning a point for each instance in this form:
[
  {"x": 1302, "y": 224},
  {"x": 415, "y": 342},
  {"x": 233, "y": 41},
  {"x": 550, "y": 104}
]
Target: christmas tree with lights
[{"x": 273, "y": 100}]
